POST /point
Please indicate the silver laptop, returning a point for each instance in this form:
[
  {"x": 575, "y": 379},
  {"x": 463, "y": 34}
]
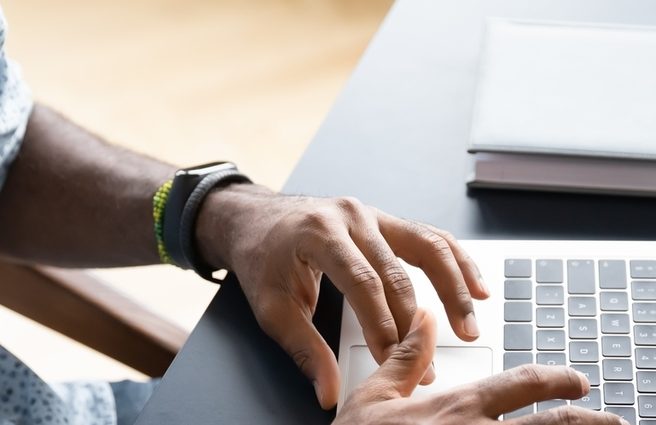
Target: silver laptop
[{"x": 590, "y": 305}]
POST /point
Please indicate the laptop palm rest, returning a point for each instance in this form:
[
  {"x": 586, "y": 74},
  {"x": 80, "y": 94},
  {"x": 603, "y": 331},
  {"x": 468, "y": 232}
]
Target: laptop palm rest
[{"x": 453, "y": 366}]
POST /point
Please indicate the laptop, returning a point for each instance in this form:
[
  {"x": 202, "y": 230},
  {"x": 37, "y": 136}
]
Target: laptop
[{"x": 590, "y": 305}]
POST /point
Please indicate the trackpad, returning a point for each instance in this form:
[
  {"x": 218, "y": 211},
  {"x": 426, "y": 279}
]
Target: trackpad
[{"x": 453, "y": 366}]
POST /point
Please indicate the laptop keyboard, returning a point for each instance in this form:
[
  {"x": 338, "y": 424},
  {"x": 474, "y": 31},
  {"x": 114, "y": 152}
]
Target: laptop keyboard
[{"x": 597, "y": 316}]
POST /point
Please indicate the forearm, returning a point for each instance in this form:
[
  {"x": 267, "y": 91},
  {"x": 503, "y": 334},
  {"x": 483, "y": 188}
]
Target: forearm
[{"x": 71, "y": 199}]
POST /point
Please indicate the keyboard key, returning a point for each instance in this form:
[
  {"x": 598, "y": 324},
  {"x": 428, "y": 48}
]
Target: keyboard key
[
  {"x": 647, "y": 406},
  {"x": 549, "y": 271},
  {"x": 518, "y": 337},
  {"x": 645, "y": 358},
  {"x": 528, "y": 410},
  {"x": 550, "y": 317},
  {"x": 617, "y": 369},
  {"x": 643, "y": 269},
  {"x": 549, "y": 340},
  {"x": 582, "y": 306},
  {"x": 552, "y": 359},
  {"x": 580, "y": 277},
  {"x": 647, "y": 422},
  {"x": 644, "y": 334},
  {"x": 627, "y": 413},
  {"x": 550, "y": 404},
  {"x": 517, "y": 358},
  {"x": 591, "y": 371},
  {"x": 643, "y": 290},
  {"x": 644, "y": 312},
  {"x": 583, "y": 352},
  {"x": 518, "y": 312},
  {"x": 591, "y": 401},
  {"x": 517, "y": 268},
  {"x": 646, "y": 381},
  {"x": 615, "y": 324},
  {"x": 518, "y": 289},
  {"x": 582, "y": 328},
  {"x": 612, "y": 274},
  {"x": 619, "y": 393},
  {"x": 616, "y": 346},
  {"x": 614, "y": 301},
  {"x": 549, "y": 295}
]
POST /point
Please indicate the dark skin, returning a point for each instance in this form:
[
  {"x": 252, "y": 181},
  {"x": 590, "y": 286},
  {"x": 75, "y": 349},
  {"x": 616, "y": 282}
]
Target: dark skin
[{"x": 73, "y": 200}]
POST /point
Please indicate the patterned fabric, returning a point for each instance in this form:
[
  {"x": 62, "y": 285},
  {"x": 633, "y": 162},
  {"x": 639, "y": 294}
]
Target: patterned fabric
[
  {"x": 15, "y": 107},
  {"x": 25, "y": 399}
]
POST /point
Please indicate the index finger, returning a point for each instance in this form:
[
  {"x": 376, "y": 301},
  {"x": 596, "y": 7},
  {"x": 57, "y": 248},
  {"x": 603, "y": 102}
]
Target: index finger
[
  {"x": 422, "y": 247},
  {"x": 355, "y": 277},
  {"x": 524, "y": 385}
]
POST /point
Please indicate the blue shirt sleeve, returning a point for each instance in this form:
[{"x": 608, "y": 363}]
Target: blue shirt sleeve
[{"x": 15, "y": 107}]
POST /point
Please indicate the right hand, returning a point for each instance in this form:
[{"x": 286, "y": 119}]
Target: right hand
[{"x": 383, "y": 398}]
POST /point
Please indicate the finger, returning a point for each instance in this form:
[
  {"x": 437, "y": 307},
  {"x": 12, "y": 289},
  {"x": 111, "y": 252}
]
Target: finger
[
  {"x": 568, "y": 415},
  {"x": 469, "y": 269},
  {"x": 285, "y": 323},
  {"x": 399, "y": 292},
  {"x": 528, "y": 384},
  {"x": 398, "y": 288},
  {"x": 399, "y": 375},
  {"x": 429, "y": 251},
  {"x": 350, "y": 271}
]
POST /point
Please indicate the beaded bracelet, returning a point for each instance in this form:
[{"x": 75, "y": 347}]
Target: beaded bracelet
[{"x": 159, "y": 205}]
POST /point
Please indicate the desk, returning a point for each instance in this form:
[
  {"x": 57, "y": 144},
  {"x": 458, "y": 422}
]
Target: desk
[{"x": 396, "y": 139}]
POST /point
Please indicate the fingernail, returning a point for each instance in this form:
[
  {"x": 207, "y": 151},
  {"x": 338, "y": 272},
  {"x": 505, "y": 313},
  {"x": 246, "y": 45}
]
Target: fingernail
[
  {"x": 430, "y": 373},
  {"x": 470, "y": 325},
  {"x": 416, "y": 321},
  {"x": 483, "y": 286},
  {"x": 585, "y": 384},
  {"x": 317, "y": 390}
]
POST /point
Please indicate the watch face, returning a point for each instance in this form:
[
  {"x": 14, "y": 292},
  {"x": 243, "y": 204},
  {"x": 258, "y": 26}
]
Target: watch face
[{"x": 204, "y": 169}]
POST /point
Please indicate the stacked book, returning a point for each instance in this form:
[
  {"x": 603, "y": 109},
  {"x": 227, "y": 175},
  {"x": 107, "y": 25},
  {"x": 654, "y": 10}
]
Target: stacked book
[{"x": 566, "y": 107}]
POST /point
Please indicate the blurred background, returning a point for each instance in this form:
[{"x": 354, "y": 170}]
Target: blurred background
[{"x": 186, "y": 81}]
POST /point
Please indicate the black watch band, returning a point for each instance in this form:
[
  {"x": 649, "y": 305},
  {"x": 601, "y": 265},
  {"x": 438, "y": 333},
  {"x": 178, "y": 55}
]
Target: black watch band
[{"x": 190, "y": 186}]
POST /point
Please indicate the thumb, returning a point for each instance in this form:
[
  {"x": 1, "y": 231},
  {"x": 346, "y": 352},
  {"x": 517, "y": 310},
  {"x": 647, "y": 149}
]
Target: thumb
[{"x": 400, "y": 374}]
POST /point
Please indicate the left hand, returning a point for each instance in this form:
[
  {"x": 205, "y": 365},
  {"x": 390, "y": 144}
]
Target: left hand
[{"x": 279, "y": 246}]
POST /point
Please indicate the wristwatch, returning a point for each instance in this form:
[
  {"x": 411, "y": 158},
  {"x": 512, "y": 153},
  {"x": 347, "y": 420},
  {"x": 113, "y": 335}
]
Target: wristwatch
[{"x": 190, "y": 186}]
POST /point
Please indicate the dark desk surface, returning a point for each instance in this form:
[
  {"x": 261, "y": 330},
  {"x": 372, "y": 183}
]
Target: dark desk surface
[{"x": 396, "y": 139}]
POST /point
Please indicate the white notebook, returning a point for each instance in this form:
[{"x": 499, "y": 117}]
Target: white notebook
[{"x": 566, "y": 88}]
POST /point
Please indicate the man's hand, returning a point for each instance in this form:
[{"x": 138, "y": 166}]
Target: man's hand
[
  {"x": 280, "y": 245},
  {"x": 382, "y": 399}
]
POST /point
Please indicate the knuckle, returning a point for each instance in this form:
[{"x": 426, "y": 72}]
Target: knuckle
[
  {"x": 408, "y": 351},
  {"x": 568, "y": 415},
  {"x": 397, "y": 281},
  {"x": 531, "y": 376},
  {"x": 365, "y": 277},
  {"x": 460, "y": 404},
  {"x": 437, "y": 245},
  {"x": 448, "y": 236},
  {"x": 302, "y": 357},
  {"x": 317, "y": 220},
  {"x": 464, "y": 298},
  {"x": 350, "y": 205}
]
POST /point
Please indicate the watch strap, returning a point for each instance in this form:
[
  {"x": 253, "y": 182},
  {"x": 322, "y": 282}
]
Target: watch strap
[
  {"x": 178, "y": 195},
  {"x": 187, "y": 227}
]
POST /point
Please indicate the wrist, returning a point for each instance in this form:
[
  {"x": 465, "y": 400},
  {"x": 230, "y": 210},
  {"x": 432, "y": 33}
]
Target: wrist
[{"x": 224, "y": 216}]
